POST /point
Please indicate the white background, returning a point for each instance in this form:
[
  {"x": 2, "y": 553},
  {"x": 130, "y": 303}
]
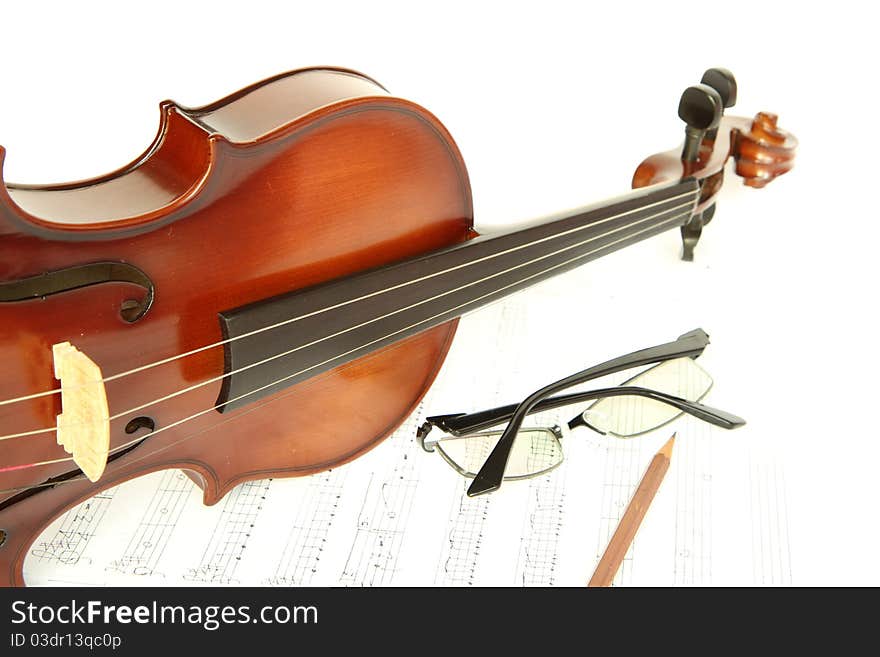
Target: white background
[{"x": 553, "y": 105}]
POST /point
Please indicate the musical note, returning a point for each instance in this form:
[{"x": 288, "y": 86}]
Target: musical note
[
  {"x": 229, "y": 539},
  {"x": 158, "y": 523},
  {"x": 382, "y": 521},
  {"x": 460, "y": 560},
  {"x": 539, "y": 562},
  {"x": 307, "y": 540},
  {"x": 71, "y": 534}
]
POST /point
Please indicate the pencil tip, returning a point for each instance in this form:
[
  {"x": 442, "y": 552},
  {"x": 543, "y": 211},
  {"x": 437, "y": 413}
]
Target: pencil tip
[{"x": 666, "y": 450}]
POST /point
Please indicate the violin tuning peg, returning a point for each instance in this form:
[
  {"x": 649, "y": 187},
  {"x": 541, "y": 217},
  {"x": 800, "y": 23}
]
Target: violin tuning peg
[
  {"x": 722, "y": 81},
  {"x": 700, "y": 108}
]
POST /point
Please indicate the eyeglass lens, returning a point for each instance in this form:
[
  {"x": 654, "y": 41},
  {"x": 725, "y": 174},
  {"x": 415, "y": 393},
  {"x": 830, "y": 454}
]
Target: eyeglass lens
[
  {"x": 629, "y": 415},
  {"x": 535, "y": 451}
]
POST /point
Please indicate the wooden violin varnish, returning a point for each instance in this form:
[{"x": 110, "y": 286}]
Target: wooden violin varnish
[{"x": 278, "y": 260}]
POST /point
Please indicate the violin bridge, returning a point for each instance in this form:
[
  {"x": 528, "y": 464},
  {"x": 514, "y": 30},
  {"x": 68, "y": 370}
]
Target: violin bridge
[{"x": 84, "y": 425}]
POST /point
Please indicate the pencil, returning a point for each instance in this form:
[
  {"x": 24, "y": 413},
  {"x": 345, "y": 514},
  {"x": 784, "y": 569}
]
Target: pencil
[{"x": 632, "y": 517}]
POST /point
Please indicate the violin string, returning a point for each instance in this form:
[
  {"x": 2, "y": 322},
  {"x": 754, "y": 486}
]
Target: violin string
[
  {"x": 164, "y": 361},
  {"x": 289, "y": 376},
  {"x": 362, "y": 324},
  {"x": 135, "y": 459}
]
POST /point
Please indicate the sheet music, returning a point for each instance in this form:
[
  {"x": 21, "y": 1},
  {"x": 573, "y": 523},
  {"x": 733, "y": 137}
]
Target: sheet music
[
  {"x": 150, "y": 538},
  {"x": 69, "y": 537},
  {"x": 400, "y": 516},
  {"x": 538, "y": 562},
  {"x": 307, "y": 539},
  {"x": 380, "y": 531}
]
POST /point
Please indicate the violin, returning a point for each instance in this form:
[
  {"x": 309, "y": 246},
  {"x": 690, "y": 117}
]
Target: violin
[{"x": 297, "y": 251}]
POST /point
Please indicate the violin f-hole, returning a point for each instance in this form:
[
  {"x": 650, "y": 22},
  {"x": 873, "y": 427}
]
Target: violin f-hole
[
  {"x": 79, "y": 276},
  {"x": 140, "y": 422}
]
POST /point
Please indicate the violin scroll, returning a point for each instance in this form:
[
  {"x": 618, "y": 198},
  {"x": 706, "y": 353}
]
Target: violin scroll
[
  {"x": 761, "y": 151},
  {"x": 764, "y": 152}
]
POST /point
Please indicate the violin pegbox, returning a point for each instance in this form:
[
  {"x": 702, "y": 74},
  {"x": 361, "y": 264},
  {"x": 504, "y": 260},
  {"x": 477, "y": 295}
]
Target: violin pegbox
[{"x": 763, "y": 152}]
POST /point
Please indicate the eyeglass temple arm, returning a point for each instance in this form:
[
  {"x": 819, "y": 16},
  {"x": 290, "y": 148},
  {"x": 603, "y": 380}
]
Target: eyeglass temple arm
[
  {"x": 700, "y": 411},
  {"x": 690, "y": 344},
  {"x": 460, "y": 424}
]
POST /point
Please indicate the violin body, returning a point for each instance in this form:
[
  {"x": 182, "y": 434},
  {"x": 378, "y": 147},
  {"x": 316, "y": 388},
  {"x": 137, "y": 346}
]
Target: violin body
[
  {"x": 304, "y": 178},
  {"x": 298, "y": 190}
]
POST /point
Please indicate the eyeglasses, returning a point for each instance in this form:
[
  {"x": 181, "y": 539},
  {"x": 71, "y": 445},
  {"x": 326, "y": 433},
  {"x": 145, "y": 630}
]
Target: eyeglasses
[{"x": 645, "y": 402}]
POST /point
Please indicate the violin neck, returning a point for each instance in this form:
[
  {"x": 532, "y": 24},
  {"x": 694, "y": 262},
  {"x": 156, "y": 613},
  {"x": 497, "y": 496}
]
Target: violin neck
[{"x": 328, "y": 325}]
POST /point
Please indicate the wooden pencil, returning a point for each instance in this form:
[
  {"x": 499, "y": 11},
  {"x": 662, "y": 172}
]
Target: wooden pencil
[{"x": 632, "y": 517}]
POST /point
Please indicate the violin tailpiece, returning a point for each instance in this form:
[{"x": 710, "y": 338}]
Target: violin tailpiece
[{"x": 84, "y": 425}]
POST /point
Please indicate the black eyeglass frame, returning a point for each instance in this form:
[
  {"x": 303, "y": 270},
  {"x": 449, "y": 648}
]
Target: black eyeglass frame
[
  {"x": 490, "y": 476},
  {"x": 461, "y": 424}
]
